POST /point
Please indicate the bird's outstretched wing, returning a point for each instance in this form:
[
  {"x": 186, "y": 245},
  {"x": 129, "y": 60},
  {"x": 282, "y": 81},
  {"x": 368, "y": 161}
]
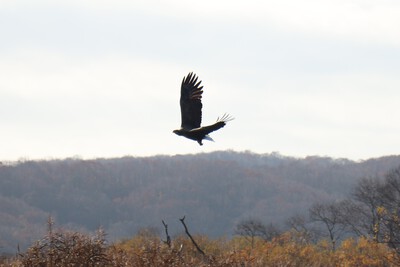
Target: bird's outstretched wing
[{"x": 190, "y": 101}]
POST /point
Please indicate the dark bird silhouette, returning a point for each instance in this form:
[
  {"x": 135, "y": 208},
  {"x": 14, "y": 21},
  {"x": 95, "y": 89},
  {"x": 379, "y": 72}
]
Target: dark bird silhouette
[{"x": 191, "y": 93}]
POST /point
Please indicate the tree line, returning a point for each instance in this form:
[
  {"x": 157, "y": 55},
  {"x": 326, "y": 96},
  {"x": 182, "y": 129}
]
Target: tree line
[
  {"x": 361, "y": 228},
  {"x": 371, "y": 211},
  {"x": 125, "y": 194}
]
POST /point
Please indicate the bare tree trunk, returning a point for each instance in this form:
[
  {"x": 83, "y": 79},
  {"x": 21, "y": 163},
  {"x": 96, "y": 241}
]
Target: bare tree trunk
[
  {"x": 191, "y": 238},
  {"x": 168, "y": 241}
]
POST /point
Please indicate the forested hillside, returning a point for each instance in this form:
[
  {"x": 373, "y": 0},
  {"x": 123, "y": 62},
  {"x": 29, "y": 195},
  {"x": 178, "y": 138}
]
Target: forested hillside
[{"x": 215, "y": 191}]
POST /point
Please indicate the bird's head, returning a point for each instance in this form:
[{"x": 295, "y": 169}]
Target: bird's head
[{"x": 178, "y": 132}]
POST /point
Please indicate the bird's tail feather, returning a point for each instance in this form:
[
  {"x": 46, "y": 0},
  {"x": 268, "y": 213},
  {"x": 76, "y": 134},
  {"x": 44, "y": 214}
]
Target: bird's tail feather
[
  {"x": 225, "y": 118},
  {"x": 207, "y": 137}
]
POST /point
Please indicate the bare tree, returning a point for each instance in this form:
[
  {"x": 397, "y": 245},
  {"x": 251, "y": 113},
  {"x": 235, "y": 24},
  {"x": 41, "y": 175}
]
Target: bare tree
[
  {"x": 250, "y": 229},
  {"x": 390, "y": 209},
  {"x": 191, "y": 237},
  {"x": 330, "y": 216},
  {"x": 271, "y": 231},
  {"x": 376, "y": 204},
  {"x": 368, "y": 193},
  {"x": 352, "y": 215},
  {"x": 168, "y": 241},
  {"x": 305, "y": 232}
]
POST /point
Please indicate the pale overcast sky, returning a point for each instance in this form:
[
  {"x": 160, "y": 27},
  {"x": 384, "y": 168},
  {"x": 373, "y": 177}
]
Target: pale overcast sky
[{"x": 102, "y": 78}]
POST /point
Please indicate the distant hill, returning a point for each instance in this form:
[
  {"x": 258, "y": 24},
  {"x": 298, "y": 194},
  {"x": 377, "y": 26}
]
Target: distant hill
[{"x": 214, "y": 191}]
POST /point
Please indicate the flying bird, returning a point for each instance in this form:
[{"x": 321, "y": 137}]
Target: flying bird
[{"x": 190, "y": 101}]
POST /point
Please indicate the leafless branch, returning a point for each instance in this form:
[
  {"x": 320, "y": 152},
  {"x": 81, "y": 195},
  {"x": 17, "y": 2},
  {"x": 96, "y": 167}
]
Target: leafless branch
[
  {"x": 191, "y": 238},
  {"x": 168, "y": 242}
]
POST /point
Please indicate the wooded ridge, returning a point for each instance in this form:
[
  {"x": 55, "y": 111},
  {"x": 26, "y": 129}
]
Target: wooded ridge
[{"x": 213, "y": 190}]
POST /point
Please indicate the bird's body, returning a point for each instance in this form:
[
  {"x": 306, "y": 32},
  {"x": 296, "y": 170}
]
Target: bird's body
[{"x": 190, "y": 102}]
